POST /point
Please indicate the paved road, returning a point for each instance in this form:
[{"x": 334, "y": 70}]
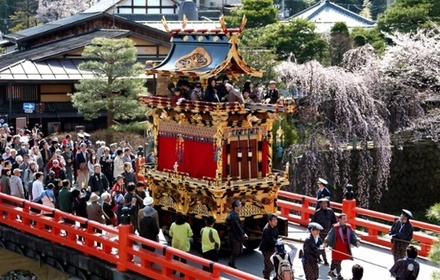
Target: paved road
[{"x": 379, "y": 261}]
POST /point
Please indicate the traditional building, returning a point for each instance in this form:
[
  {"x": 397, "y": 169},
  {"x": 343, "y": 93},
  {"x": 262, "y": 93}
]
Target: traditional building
[
  {"x": 325, "y": 14},
  {"x": 44, "y": 68}
]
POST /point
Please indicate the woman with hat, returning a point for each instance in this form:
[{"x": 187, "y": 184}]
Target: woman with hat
[
  {"x": 310, "y": 257},
  {"x": 94, "y": 209},
  {"x": 16, "y": 185},
  {"x": 210, "y": 241},
  {"x": 401, "y": 234},
  {"x": 148, "y": 203},
  {"x": 148, "y": 226}
]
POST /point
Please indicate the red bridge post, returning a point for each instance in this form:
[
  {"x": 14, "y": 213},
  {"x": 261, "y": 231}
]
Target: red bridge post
[
  {"x": 349, "y": 208},
  {"x": 124, "y": 244}
]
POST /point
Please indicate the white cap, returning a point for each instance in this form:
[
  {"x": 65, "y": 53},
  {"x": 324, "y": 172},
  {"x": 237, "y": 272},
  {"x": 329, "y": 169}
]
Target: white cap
[
  {"x": 322, "y": 181},
  {"x": 148, "y": 201}
]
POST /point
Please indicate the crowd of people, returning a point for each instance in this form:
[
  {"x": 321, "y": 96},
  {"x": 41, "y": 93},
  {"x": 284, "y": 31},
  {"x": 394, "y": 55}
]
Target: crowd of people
[
  {"x": 91, "y": 180},
  {"x": 99, "y": 183},
  {"x": 224, "y": 91}
]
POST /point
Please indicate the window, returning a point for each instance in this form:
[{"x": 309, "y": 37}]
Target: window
[{"x": 22, "y": 92}]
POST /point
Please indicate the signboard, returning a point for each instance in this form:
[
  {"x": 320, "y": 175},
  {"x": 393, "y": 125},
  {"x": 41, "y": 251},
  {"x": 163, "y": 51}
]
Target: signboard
[{"x": 29, "y": 107}]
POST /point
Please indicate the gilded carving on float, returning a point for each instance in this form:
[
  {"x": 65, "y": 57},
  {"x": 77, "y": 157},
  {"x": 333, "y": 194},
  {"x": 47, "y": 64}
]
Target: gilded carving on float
[
  {"x": 167, "y": 201},
  {"x": 199, "y": 209},
  {"x": 251, "y": 209},
  {"x": 196, "y": 59}
]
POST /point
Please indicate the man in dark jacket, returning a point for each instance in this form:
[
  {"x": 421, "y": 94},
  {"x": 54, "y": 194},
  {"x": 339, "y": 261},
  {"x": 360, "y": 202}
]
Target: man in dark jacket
[
  {"x": 267, "y": 246},
  {"x": 235, "y": 232},
  {"x": 407, "y": 268},
  {"x": 326, "y": 218},
  {"x": 97, "y": 181}
]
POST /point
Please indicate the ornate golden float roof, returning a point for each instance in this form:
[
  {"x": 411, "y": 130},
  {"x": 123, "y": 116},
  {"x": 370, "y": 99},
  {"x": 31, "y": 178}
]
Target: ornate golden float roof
[{"x": 204, "y": 53}]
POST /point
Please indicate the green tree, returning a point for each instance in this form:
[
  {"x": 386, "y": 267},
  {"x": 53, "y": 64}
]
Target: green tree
[
  {"x": 296, "y": 39},
  {"x": 434, "y": 254},
  {"x": 258, "y": 13},
  {"x": 24, "y": 16},
  {"x": 340, "y": 42},
  {"x": 362, "y": 36},
  {"x": 261, "y": 59},
  {"x": 7, "y": 8},
  {"x": 116, "y": 83},
  {"x": 409, "y": 15}
]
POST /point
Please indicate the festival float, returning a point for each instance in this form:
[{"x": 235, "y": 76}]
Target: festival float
[{"x": 210, "y": 154}]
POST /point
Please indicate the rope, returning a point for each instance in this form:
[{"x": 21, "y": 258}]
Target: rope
[
  {"x": 365, "y": 261},
  {"x": 402, "y": 240},
  {"x": 412, "y": 241},
  {"x": 362, "y": 260}
]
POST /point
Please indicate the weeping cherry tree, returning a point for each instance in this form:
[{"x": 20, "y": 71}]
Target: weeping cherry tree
[
  {"x": 350, "y": 112},
  {"x": 338, "y": 110}
]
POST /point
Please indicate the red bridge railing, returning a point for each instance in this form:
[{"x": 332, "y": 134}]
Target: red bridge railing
[
  {"x": 117, "y": 244},
  {"x": 372, "y": 226}
]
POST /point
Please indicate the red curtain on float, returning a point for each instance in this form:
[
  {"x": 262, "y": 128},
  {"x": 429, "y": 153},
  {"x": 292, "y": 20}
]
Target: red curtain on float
[
  {"x": 264, "y": 158},
  {"x": 166, "y": 154},
  {"x": 197, "y": 157}
]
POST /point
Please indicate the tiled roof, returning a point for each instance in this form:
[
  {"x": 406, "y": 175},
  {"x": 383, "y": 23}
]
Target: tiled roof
[
  {"x": 326, "y": 13},
  {"x": 58, "y": 47},
  {"x": 42, "y": 29},
  {"x": 66, "y": 24}
]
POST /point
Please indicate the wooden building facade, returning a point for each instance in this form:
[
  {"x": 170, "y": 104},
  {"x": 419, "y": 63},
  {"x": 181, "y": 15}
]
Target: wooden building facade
[{"x": 45, "y": 66}]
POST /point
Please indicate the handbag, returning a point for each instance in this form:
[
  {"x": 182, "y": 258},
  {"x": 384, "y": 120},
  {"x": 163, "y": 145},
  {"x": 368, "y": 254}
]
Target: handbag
[{"x": 47, "y": 201}]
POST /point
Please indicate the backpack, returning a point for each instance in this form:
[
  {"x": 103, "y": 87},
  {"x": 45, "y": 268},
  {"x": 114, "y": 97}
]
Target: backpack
[{"x": 284, "y": 271}]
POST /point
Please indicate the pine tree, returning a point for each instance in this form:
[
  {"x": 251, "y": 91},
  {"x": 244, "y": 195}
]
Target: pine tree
[
  {"x": 258, "y": 13},
  {"x": 25, "y": 15},
  {"x": 116, "y": 83}
]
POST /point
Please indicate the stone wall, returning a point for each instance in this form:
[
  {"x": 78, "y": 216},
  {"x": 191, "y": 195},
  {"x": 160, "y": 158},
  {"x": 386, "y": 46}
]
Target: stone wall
[{"x": 414, "y": 181}]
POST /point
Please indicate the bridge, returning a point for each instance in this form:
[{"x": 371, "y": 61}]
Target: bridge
[{"x": 90, "y": 250}]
